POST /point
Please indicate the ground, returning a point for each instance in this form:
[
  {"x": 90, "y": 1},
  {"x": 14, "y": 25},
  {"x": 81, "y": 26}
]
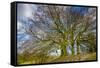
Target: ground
[
  {"x": 70, "y": 58},
  {"x": 80, "y": 57}
]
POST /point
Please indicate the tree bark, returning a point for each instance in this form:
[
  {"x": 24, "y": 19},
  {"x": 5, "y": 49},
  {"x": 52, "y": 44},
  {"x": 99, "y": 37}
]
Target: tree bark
[
  {"x": 64, "y": 52},
  {"x": 78, "y": 49},
  {"x": 73, "y": 52}
]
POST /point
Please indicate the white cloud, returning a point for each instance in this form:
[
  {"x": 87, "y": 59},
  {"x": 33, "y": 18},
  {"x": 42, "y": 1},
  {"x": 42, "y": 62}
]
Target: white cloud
[
  {"x": 26, "y": 10},
  {"x": 19, "y": 25}
]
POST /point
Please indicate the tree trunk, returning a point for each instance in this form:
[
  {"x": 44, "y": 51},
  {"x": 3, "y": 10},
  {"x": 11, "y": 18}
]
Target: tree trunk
[
  {"x": 64, "y": 52},
  {"x": 78, "y": 49},
  {"x": 73, "y": 52}
]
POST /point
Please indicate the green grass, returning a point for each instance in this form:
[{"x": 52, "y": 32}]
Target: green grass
[
  {"x": 80, "y": 57},
  {"x": 70, "y": 58}
]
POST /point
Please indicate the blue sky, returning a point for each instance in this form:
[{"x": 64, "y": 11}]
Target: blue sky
[{"x": 80, "y": 10}]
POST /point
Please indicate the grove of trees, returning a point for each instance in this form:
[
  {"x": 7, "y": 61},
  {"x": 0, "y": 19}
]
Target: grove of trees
[{"x": 71, "y": 29}]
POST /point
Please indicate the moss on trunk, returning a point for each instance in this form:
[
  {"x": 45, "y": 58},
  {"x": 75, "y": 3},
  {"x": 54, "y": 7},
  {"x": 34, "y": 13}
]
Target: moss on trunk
[{"x": 64, "y": 52}]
